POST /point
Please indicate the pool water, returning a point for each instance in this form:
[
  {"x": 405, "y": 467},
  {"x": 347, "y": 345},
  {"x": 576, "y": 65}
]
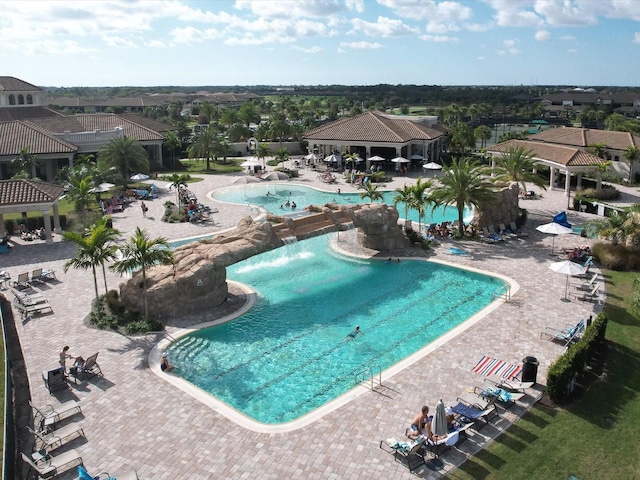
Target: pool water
[
  {"x": 291, "y": 353},
  {"x": 280, "y": 193}
]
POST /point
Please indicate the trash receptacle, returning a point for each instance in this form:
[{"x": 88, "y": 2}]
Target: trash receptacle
[
  {"x": 530, "y": 369},
  {"x": 109, "y": 223}
]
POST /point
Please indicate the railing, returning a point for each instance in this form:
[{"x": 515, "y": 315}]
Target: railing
[
  {"x": 361, "y": 377},
  {"x": 502, "y": 292},
  {"x": 8, "y": 450}
]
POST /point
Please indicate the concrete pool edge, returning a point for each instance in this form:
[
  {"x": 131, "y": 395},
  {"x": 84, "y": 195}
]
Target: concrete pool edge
[{"x": 250, "y": 424}]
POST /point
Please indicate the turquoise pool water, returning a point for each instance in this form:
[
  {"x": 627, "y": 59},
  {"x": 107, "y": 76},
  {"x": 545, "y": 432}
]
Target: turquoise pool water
[
  {"x": 291, "y": 353},
  {"x": 281, "y": 192}
]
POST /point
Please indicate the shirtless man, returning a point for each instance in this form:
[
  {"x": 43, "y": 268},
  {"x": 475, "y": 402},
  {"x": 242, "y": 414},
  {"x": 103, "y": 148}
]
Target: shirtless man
[{"x": 419, "y": 423}]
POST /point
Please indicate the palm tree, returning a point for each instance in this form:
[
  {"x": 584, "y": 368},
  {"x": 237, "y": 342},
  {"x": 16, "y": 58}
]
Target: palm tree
[
  {"x": 177, "y": 180},
  {"x": 94, "y": 249},
  {"x": 632, "y": 154},
  {"x": 371, "y": 192},
  {"x": 25, "y": 161},
  {"x": 463, "y": 185},
  {"x": 142, "y": 252},
  {"x": 80, "y": 185},
  {"x": 404, "y": 195},
  {"x": 282, "y": 155},
  {"x": 204, "y": 145},
  {"x": 599, "y": 150},
  {"x": 126, "y": 155},
  {"x": 173, "y": 143},
  {"x": 419, "y": 200},
  {"x": 482, "y": 133},
  {"x": 263, "y": 151},
  {"x": 517, "y": 165},
  {"x": 622, "y": 227}
]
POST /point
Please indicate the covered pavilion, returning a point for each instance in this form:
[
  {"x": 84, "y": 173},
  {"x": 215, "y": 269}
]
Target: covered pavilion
[
  {"x": 376, "y": 133},
  {"x": 559, "y": 158},
  {"x": 18, "y": 196}
]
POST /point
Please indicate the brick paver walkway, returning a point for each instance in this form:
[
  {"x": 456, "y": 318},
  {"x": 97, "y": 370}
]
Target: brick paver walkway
[{"x": 134, "y": 419}]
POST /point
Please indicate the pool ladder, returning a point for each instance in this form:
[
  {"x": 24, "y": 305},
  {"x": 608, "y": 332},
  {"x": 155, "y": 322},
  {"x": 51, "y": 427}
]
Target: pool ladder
[{"x": 361, "y": 376}]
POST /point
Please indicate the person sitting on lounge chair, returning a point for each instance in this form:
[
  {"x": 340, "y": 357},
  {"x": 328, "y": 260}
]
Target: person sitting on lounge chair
[{"x": 419, "y": 423}]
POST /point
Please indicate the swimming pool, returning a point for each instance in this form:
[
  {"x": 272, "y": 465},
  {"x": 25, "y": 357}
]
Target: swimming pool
[
  {"x": 281, "y": 193},
  {"x": 291, "y": 354}
]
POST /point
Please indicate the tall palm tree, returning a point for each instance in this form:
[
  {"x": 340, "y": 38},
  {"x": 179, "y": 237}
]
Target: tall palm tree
[
  {"x": 419, "y": 199},
  {"x": 599, "y": 150},
  {"x": 404, "y": 195},
  {"x": 632, "y": 154},
  {"x": 173, "y": 143},
  {"x": 517, "y": 165},
  {"x": 80, "y": 186},
  {"x": 622, "y": 227},
  {"x": 204, "y": 145},
  {"x": 263, "y": 151},
  {"x": 142, "y": 252},
  {"x": 463, "y": 185},
  {"x": 25, "y": 161},
  {"x": 126, "y": 155},
  {"x": 482, "y": 133},
  {"x": 177, "y": 180},
  {"x": 371, "y": 191},
  {"x": 94, "y": 249},
  {"x": 282, "y": 155}
]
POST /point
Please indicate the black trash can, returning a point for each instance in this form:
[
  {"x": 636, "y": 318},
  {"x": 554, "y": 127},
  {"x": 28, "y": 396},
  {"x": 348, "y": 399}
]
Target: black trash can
[
  {"x": 530, "y": 369},
  {"x": 109, "y": 222}
]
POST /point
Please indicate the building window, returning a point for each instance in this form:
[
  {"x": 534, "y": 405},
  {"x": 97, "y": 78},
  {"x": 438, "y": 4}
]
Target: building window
[
  {"x": 20, "y": 99},
  {"x": 12, "y": 99},
  {"x": 29, "y": 99},
  {"x": 616, "y": 158}
]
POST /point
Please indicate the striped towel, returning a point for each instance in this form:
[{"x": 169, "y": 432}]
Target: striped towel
[{"x": 490, "y": 366}]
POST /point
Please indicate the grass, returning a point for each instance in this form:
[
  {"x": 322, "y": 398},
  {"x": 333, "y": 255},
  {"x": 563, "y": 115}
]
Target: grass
[
  {"x": 598, "y": 435},
  {"x": 200, "y": 166}
]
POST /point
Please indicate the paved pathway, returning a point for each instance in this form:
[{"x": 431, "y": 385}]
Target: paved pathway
[{"x": 134, "y": 419}]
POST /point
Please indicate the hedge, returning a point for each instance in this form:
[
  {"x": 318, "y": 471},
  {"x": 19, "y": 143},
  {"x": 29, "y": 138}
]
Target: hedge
[
  {"x": 33, "y": 223},
  {"x": 563, "y": 371}
]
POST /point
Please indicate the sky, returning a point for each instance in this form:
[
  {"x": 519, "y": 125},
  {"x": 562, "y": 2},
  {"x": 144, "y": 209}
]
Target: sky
[{"x": 70, "y": 43}]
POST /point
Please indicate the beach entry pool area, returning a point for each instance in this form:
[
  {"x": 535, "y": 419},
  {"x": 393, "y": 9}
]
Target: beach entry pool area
[
  {"x": 273, "y": 195},
  {"x": 292, "y": 353}
]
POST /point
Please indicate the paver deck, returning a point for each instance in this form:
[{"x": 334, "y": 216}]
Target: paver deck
[{"x": 134, "y": 419}]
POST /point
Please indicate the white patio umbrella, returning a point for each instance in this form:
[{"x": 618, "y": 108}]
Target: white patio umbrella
[
  {"x": 103, "y": 187},
  {"x": 554, "y": 229},
  {"x": 331, "y": 159},
  {"x": 312, "y": 157},
  {"x": 400, "y": 160},
  {"x": 417, "y": 156},
  {"x": 275, "y": 175},
  {"x": 376, "y": 158},
  {"x": 252, "y": 162},
  {"x": 568, "y": 268},
  {"x": 139, "y": 177},
  {"x": 432, "y": 166},
  {"x": 244, "y": 180},
  {"x": 439, "y": 428}
]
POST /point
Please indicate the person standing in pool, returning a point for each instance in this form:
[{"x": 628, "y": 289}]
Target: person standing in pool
[{"x": 355, "y": 332}]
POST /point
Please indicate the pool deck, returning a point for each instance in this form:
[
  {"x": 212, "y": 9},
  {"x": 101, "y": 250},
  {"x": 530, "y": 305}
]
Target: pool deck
[{"x": 132, "y": 418}]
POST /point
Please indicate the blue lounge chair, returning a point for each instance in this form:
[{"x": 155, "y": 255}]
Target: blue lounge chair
[{"x": 567, "y": 335}]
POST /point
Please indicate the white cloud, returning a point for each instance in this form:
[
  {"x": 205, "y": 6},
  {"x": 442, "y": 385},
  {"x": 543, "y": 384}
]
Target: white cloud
[
  {"x": 119, "y": 42},
  {"x": 636, "y": 37},
  {"x": 288, "y": 9},
  {"x": 360, "y": 45},
  {"x": 565, "y": 13},
  {"x": 572, "y": 50},
  {"x": 155, "y": 44},
  {"x": 509, "y": 43},
  {"x": 355, "y": 5},
  {"x": 383, "y": 27},
  {"x": 567, "y": 38},
  {"x": 509, "y": 14},
  {"x": 478, "y": 27},
  {"x": 315, "y": 49},
  {"x": 543, "y": 36},
  {"x": 439, "y": 38},
  {"x": 443, "y": 16},
  {"x": 509, "y": 47}
]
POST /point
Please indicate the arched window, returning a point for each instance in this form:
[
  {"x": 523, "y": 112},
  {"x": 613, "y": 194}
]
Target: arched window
[
  {"x": 12, "y": 99},
  {"x": 29, "y": 99},
  {"x": 20, "y": 99}
]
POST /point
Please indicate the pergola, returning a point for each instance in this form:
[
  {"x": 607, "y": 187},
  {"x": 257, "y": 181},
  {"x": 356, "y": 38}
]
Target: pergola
[
  {"x": 559, "y": 158},
  {"x": 18, "y": 196}
]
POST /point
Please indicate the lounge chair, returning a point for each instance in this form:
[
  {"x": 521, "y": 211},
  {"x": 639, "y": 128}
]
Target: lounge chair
[
  {"x": 487, "y": 237},
  {"x": 513, "y": 385},
  {"x": 27, "y": 304},
  {"x": 468, "y": 413},
  {"x": 84, "y": 475},
  {"x": 506, "y": 232},
  {"x": 503, "y": 396},
  {"x": 591, "y": 296},
  {"x": 476, "y": 399},
  {"x": 48, "y": 414},
  {"x": 51, "y": 439},
  {"x": 565, "y": 336},
  {"x": 54, "y": 380},
  {"x": 39, "y": 275},
  {"x": 22, "y": 281},
  {"x": 410, "y": 451},
  {"x": 90, "y": 367},
  {"x": 588, "y": 285},
  {"x": 586, "y": 273},
  {"x": 517, "y": 231},
  {"x": 48, "y": 466},
  {"x": 437, "y": 447}
]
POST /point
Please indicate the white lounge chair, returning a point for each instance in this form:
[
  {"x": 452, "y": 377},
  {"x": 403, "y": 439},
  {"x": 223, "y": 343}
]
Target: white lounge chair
[
  {"x": 51, "y": 439},
  {"x": 48, "y": 466},
  {"x": 49, "y": 413}
]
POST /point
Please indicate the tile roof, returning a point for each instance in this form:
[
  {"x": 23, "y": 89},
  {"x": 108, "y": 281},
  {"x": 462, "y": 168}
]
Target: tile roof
[
  {"x": 149, "y": 123},
  {"x": 13, "y": 84},
  {"x": 567, "y": 156},
  {"x": 24, "y": 192},
  {"x": 16, "y": 135},
  {"x": 583, "y": 137},
  {"x": 373, "y": 127},
  {"x": 23, "y": 113}
]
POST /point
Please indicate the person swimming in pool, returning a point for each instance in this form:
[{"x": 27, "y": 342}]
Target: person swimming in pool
[{"x": 355, "y": 332}]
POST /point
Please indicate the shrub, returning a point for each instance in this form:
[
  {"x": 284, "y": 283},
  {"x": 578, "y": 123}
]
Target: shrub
[
  {"x": 617, "y": 257},
  {"x": 607, "y": 192},
  {"x": 143, "y": 326},
  {"x": 114, "y": 304},
  {"x": 563, "y": 371}
]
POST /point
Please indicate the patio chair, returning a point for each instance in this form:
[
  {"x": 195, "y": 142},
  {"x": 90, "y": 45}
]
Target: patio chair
[
  {"x": 504, "y": 231},
  {"x": 565, "y": 336},
  {"x": 471, "y": 413},
  {"x": 54, "y": 380},
  {"x": 48, "y": 440},
  {"x": 503, "y": 396},
  {"x": 90, "y": 367},
  {"x": 28, "y": 304},
  {"x": 47, "y": 466},
  {"x": 48, "y": 414},
  {"x": 591, "y": 296},
  {"x": 22, "y": 281},
  {"x": 588, "y": 285},
  {"x": 84, "y": 475},
  {"x": 411, "y": 452},
  {"x": 513, "y": 385},
  {"x": 517, "y": 231},
  {"x": 39, "y": 275}
]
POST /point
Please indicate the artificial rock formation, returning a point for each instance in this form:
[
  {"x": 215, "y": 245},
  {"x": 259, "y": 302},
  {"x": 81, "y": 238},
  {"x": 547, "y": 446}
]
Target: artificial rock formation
[
  {"x": 503, "y": 210},
  {"x": 198, "y": 279}
]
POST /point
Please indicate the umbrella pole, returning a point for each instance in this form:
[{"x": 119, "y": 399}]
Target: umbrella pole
[{"x": 566, "y": 290}]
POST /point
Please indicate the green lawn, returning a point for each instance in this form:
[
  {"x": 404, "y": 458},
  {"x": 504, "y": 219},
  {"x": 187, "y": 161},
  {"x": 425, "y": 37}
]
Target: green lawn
[
  {"x": 200, "y": 166},
  {"x": 597, "y": 436}
]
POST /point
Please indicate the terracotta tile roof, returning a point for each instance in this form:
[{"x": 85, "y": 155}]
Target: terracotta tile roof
[
  {"x": 583, "y": 137},
  {"x": 13, "y": 84},
  {"x": 149, "y": 123},
  {"x": 24, "y": 192},
  {"x": 16, "y": 135},
  {"x": 24, "y": 113},
  {"x": 373, "y": 127},
  {"x": 567, "y": 156},
  {"x": 97, "y": 121}
]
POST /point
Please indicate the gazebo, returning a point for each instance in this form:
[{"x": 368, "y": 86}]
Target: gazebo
[{"x": 18, "y": 196}]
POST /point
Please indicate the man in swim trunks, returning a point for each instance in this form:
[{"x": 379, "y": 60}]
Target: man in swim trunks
[
  {"x": 355, "y": 332},
  {"x": 419, "y": 422}
]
